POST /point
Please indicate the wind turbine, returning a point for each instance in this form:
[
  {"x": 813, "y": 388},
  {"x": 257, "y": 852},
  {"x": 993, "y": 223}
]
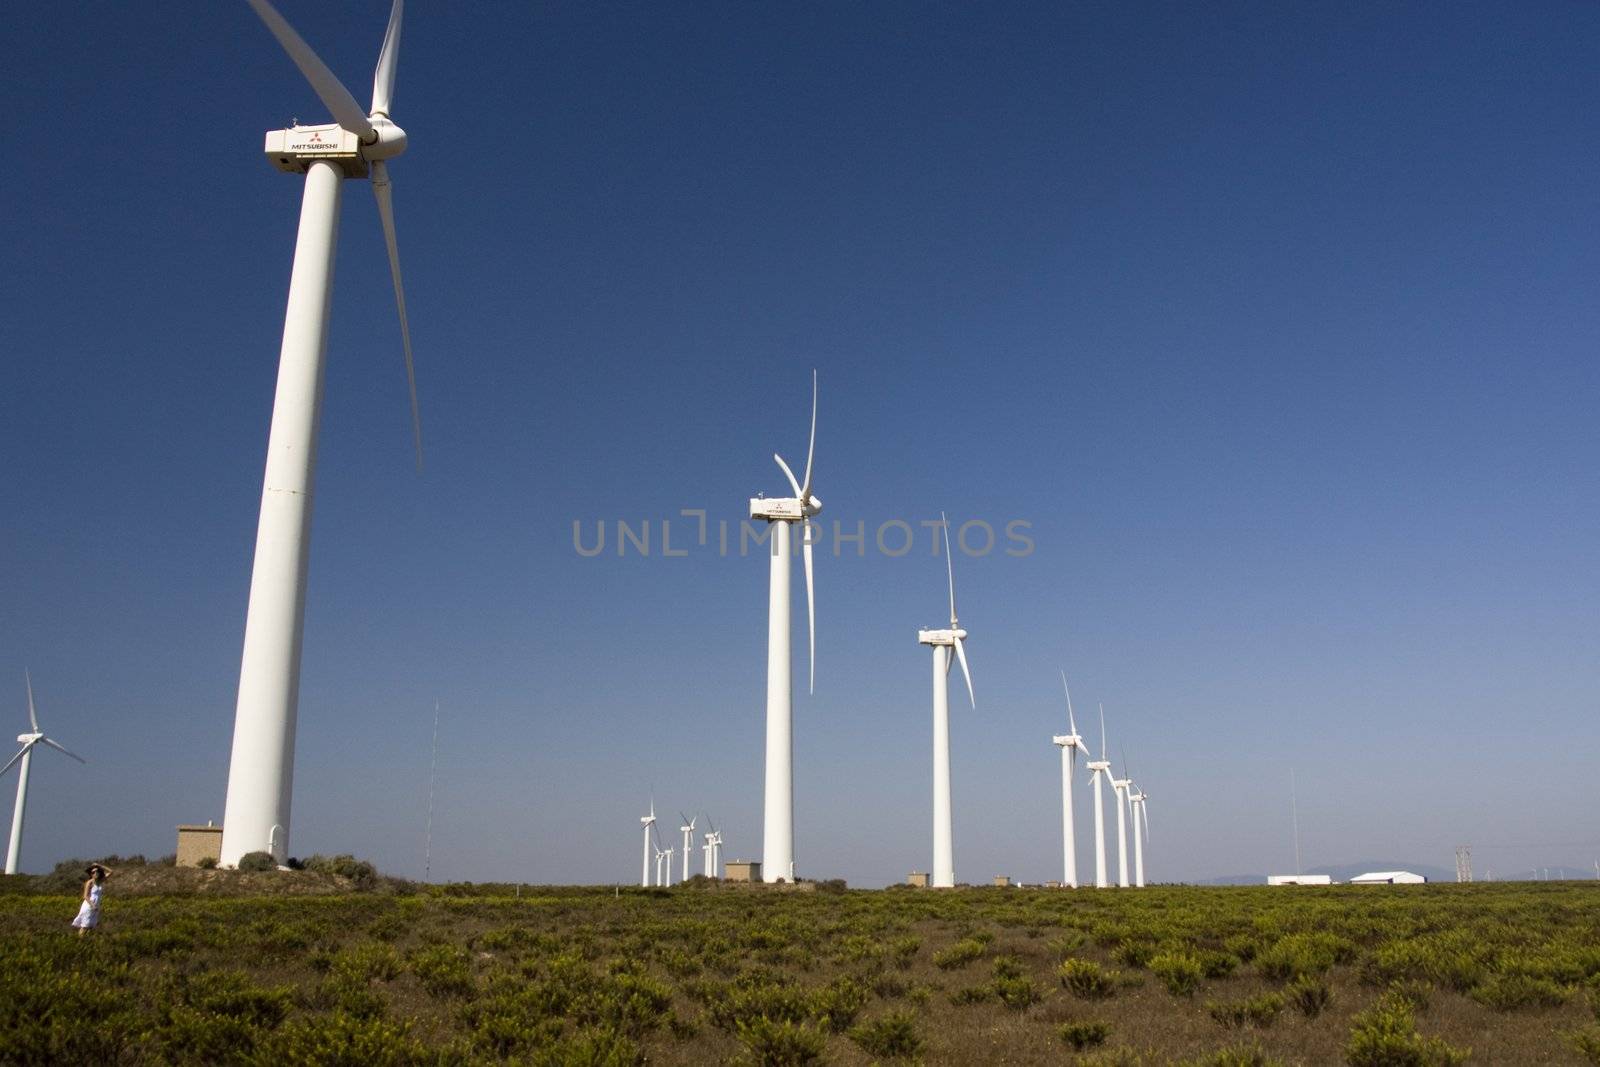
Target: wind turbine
[
  {"x": 942, "y": 641},
  {"x": 28, "y": 741},
  {"x": 356, "y": 145},
  {"x": 714, "y": 855},
  {"x": 1069, "y": 743},
  {"x": 648, "y": 822},
  {"x": 1137, "y": 812},
  {"x": 1119, "y": 787},
  {"x": 1101, "y": 766},
  {"x": 688, "y": 837},
  {"x": 777, "y": 838}
]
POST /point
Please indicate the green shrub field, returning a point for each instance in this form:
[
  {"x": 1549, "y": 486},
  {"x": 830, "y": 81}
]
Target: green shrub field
[{"x": 372, "y": 972}]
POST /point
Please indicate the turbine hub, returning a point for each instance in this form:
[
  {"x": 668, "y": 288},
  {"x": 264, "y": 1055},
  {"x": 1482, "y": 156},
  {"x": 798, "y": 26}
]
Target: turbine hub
[{"x": 391, "y": 139}]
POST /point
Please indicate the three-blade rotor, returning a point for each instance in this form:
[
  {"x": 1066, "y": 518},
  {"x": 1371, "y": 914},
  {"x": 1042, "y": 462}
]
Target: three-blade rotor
[
  {"x": 380, "y": 139},
  {"x": 1072, "y": 722},
  {"x": 957, "y": 640},
  {"x": 809, "y": 506},
  {"x": 36, "y": 736}
]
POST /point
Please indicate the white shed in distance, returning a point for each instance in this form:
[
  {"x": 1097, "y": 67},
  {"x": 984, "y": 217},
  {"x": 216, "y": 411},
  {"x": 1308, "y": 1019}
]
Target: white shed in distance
[{"x": 1388, "y": 878}]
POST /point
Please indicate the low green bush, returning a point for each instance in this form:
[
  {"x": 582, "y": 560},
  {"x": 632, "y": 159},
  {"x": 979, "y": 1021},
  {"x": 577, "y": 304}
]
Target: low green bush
[
  {"x": 443, "y": 970},
  {"x": 1586, "y": 1043},
  {"x": 779, "y": 1044},
  {"x": 1309, "y": 996},
  {"x": 257, "y": 861},
  {"x": 959, "y": 954},
  {"x": 1386, "y": 1035},
  {"x": 1234, "y": 1056},
  {"x": 889, "y": 1036},
  {"x": 1260, "y": 1011},
  {"x": 1087, "y": 979},
  {"x": 1512, "y": 992},
  {"x": 341, "y": 1040},
  {"x": 1307, "y": 953},
  {"x": 1180, "y": 971},
  {"x": 1084, "y": 1035}
]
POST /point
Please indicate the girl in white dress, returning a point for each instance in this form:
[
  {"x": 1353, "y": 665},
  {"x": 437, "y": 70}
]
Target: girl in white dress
[{"x": 93, "y": 889}]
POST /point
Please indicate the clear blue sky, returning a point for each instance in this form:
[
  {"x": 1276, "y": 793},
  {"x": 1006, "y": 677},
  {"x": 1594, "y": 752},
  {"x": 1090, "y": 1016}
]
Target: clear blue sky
[{"x": 1277, "y": 323}]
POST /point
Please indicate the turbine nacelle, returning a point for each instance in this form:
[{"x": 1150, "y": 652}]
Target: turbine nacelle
[
  {"x": 1100, "y": 765},
  {"x": 940, "y": 637},
  {"x": 1070, "y": 741}
]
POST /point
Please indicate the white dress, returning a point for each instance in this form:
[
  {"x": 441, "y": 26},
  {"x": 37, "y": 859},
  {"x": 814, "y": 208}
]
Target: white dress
[{"x": 89, "y": 910}]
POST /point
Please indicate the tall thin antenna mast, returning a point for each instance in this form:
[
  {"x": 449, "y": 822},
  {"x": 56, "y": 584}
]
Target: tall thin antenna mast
[
  {"x": 1294, "y": 816},
  {"x": 433, "y": 765}
]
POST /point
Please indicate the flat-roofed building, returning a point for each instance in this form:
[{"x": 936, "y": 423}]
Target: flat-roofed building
[
  {"x": 742, "y": 871},
  {"x": 196, "y": 843}
]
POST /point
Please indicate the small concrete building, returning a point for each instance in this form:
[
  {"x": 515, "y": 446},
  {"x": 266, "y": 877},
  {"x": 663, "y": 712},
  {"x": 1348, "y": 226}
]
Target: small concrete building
[
  {"x": 742, "y": 870},
  {"x": 1002, "y": 881},
  {"x": 1052, "y": 885},
  {"x": 196, "y": 843},
  {"x": 918, "y": 879},
  {"x": 1299, "y": 879},
  {"x": 1388, "y": 878}
]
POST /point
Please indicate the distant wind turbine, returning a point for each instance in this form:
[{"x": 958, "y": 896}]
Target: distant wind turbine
[
  {"x": 1069, "y": 743},
  {"x": 688, "y": 837},
  {"x": 261, "y": 768},
  {"x": 777, "y": 835},
  {"x": 1139, "y": 815},
  {"x": 1101, "y": 766},
  {"x": 648, "y": 823},
  {"x": 1119, "y": 787},
  {"x": 28, "y": 741},
  {"x": 942, "y": 642}
]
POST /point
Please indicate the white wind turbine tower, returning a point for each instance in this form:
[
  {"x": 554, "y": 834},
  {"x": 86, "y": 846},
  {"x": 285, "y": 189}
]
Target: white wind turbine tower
[
  {"x": 688, "y": 838},
  {"x": 1069, "y": 743},
  {"x": 1119, "y": 787},
  {"x": 777, "y": 838},
  {"x": 1101, "y": 766},
  {"x": 28, "y": 741},
  {"x": 1138, "y": 813},
  {"x": 942, "y": 641},
  {"x": 714, "y": 842},
  {"x": 356, "y": 145},
  {"x": 663, "y": 856},
  {"x": 648, "y": 822}
]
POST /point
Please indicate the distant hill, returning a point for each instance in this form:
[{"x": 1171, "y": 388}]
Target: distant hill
[{"x": 1343, "y": 872}]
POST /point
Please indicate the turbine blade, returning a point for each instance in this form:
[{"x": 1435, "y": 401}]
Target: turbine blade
[
  {"x": 1144, "y": 812},
  {"x": 949, "y": 567},
  {"x": 789, "y": 474},
  {"x": 20, "y": 752},
  {"x": 63, "y": 751},
  {"x": 1072, "y": 722},
  {"x": 961, "y": 654},
  {"x": 346, "y": 112},
  {"x": 33, "y": 716},
  {"x": 811, "y": 604},
  {"x": 804, "y": 492},
  {"x": 382, "y": 189},
  {"x": 1102, "y": 731},
  {"x": 388, "y": 60}
]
